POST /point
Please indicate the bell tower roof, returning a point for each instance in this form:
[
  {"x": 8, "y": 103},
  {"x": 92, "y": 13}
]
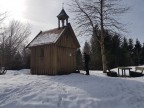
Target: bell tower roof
[
  {"x": 62, "y": 15},
  {"x": 62, "y": 19}
]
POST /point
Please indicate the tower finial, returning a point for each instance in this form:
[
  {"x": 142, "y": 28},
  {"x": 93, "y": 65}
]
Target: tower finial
[{"x": 63, "y": 5}]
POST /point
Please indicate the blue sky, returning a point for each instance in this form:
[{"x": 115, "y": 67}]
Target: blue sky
[{"x": 41, "y": 14}]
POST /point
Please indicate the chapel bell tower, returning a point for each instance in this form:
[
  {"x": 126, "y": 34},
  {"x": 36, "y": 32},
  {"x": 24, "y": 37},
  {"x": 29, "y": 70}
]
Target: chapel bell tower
[{"x": 62, "y": 19}]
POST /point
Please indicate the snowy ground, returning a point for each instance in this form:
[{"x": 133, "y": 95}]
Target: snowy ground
[{"x": 19, "y": 89}]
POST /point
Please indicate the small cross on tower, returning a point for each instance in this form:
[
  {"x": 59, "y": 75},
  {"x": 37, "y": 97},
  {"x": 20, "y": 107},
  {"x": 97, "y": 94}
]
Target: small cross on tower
[{"x": 62, "y": 5}]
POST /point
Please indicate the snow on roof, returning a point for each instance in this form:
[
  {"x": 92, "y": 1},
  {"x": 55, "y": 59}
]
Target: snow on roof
[{"x": 46, "y": 37}]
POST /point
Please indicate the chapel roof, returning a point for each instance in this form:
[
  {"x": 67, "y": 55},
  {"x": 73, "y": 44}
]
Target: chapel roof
[{"x": 46, "y": 37}]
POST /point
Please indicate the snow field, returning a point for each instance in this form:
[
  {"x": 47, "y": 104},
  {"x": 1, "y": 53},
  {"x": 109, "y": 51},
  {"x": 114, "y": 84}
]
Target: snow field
[{"x": 19, "y": 89}]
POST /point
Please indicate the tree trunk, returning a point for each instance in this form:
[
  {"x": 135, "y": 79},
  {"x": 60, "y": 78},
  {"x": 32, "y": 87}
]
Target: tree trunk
[{"x": 104, "y": 62}]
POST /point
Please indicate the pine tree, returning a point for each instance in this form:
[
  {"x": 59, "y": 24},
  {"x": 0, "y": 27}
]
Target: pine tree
[
  {"x": 79, "y": 60},
  {"x": 130, "y": 50},
  {"x": 26, "y": 58},
  {"x": 125, "y": 53},
  {"x": 17, "y": 61},
  {"x": 115, "y": 52},
  {"x": 96, "y": 60},
  {"x": 130, "y": 45},
  {"x": 137, "y": 52},
  {"x": 142, "y": 55},
  {"x": 86, "y": 48},
  {"x": 124, "y": 44}
]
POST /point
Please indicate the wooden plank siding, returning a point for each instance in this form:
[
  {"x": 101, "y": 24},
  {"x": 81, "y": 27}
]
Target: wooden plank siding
[
  {"x": 66, "y": 53},
  {"x": 56, "y": 60},
  {"x": 59, "y": 57},
  {"x": 65, "y": 60},
  {"x": 66, "y": 40},
  {"x": 43, "y": 65}
]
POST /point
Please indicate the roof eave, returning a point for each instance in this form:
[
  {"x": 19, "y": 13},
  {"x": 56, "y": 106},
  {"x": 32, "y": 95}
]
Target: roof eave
[{"x": 33, "y": 39}]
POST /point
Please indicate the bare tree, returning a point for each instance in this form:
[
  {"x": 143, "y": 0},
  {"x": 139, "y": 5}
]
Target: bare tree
[
  {"x": 12, "y": 39},
  {"x": 101, "y": 14},
  {"x": 2, "y": 17},
  {"x": 2, "y": 38}
]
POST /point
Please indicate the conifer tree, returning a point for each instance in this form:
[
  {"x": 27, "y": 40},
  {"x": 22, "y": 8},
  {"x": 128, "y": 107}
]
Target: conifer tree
[
  {"x": 125, "y": 53},
  {"x": 142, "y": 55},
  {"x": 130, "y": 50},
  {"x": 96, "y": 60},
  {"x": 79, "y": 59},
  {"x": 115, "y": 52},
  {"x": 137, "y": 52},
  {"x": 130, "y": 45},
  {"x": 86, "y": 48}
]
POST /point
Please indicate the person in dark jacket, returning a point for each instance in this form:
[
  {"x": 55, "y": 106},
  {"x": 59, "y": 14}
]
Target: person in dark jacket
[{"x": 86, "y": 62}]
